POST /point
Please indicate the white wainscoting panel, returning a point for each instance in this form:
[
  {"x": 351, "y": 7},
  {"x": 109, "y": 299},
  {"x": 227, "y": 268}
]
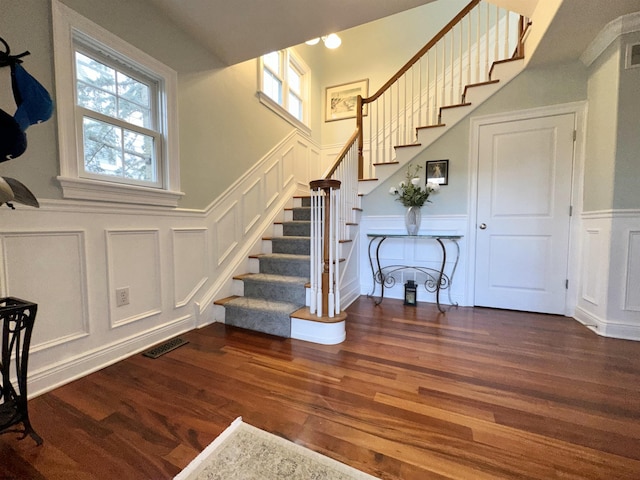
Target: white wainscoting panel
[
  {"x": 307, "y": 165},
  {"x": 350, "y": 269},
  {"x": 226, "y": 232},
  {"x": 190, "y": 263},
  {"x": 252, "y": 205},
  {"x": 609, "y": 303},
  {"x": 594, "y": 260},
  {"x": 134, "y": 263},
  {"x": 288, "y": 165},
  {"x": 314, "y": 159},
  {"x": 632, "y": 291},
  {"x": 272, "y": 181},
  {"x": 302, "y": 169},
  {"x": 49, "y": 268}
]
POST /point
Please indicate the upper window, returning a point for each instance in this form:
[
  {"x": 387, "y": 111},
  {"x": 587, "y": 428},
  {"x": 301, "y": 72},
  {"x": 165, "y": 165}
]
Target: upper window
[
  {"x": 117, "y": 117},
  {"x": 284, "y": 81}
]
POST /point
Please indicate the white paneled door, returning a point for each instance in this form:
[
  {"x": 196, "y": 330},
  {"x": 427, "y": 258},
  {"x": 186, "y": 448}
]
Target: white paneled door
[{"x": 522, "y": 229}]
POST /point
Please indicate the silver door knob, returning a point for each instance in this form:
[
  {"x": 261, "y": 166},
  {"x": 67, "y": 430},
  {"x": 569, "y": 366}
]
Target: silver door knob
[{"x": 483, "y": 226}]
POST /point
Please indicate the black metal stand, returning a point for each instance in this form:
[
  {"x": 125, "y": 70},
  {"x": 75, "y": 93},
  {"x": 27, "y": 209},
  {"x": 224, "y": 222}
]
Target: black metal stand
[{"x": 18, "y": 317}]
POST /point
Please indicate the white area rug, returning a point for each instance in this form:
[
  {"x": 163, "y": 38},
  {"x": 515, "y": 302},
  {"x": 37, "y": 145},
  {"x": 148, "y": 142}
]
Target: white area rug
[{"x": 248, "y": 453}]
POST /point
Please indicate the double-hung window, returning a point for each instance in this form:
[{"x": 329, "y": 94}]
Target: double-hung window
[
  {"x": 117, "y": 112},
  {"x": 284, "y": 81},
  {"x": 121, "y": 138}
]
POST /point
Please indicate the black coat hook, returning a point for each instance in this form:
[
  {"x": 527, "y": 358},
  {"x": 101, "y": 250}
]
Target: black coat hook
[{"x": 6, "y": 59}]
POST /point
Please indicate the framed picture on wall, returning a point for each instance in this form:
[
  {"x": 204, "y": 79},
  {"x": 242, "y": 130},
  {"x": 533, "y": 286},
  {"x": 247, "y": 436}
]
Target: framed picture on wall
[
  {"x": 438, "y": 172},
  {"x": 341, "y": 101}
]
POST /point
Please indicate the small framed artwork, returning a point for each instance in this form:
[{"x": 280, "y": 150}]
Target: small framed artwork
[
  {"x": 438, "y": 172},
  {"x": 342, "y": 100}
]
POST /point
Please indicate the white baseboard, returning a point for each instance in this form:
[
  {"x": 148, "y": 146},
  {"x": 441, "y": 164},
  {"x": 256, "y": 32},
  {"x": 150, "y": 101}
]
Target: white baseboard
[
  {"x": 606, "y": 328},
  {"x": 68, "y": 370}
]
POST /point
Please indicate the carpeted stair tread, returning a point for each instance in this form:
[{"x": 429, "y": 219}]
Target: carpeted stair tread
[
  {"x": 302, "y": 213},
  {"x": 295, "y": 228},
  {"x": 261, "y": 304},
  {"x": 297, "y": 245},
  {"x": 268, "y": 278},
  {"x": 285, "y": 264},
  {"x": 261, "y": 315},
  {"x": 285, "y": 288}
]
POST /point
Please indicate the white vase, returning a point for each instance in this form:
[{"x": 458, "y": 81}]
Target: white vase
[{"x": 412, "y": 220}]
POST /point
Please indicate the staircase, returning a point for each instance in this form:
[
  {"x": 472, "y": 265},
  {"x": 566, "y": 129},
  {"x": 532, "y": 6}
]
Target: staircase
[
  {"x": 468, "y": 61},
  {"x": 277, "y": 288},
  {"x": 474, "y": 95}
]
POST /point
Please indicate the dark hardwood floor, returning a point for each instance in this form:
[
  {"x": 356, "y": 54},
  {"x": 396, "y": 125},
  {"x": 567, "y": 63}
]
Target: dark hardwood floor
[{"x": 412, "y": 394}]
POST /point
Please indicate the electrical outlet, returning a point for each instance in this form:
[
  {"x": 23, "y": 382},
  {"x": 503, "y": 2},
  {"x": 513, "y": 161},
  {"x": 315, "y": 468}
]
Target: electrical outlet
[{"x": 122, "y": 296}]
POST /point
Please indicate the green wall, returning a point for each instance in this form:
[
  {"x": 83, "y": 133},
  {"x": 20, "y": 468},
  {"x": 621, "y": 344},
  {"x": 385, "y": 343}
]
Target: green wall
[
  {"x": 601, "y": 147},
  {"x": 223, "y": 127},
  {"x": 627, "y": 171},
  {"x": 26, "y": 25},
  {"x": 612, "y": 165}
]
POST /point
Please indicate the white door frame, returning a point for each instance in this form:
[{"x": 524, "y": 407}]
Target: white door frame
[{"x": 580, "y": 111}]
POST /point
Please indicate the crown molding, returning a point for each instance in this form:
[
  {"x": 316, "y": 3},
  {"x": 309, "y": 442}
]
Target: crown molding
[{"x": 620, "y": 26}]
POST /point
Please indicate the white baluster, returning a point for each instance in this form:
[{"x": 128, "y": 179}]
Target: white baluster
[
  {"x": 320, "y": 249},
  {"x": 339, "y": 199},
  {"x": 331, "y": 214},
  {"x": 497, "y": 35},
  {"x": 314, "y": 253}
]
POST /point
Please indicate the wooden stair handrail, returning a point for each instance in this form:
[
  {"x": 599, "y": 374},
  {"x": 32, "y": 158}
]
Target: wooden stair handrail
[
  {"x": 446, "y": 29},
  {"x": 343, "y": 152}
]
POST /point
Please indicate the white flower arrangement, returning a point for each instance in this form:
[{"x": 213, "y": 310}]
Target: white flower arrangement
[{"x": 409, "y": 192}]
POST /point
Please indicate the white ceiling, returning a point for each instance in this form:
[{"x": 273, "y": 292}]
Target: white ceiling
[
  {"x": 575, "y": 25},
  {"x": 239, "y": 30}
]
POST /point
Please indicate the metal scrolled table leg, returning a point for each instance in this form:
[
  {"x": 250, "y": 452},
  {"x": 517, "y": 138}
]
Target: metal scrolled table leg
[
  {"x": 444, "y": 261},
  {"x": 453, "y": 271},
  {"x": 376, "y": 273}
]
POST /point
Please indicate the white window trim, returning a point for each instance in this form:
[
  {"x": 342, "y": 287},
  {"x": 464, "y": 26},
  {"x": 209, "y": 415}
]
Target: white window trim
[
  {"x": 268, "y": 102},
  {"x": 66, "y": 24},
  {"x": 274, "y": 106}
]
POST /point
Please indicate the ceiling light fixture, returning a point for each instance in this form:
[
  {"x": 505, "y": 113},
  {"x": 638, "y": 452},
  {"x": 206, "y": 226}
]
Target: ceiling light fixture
[{"x": 330, "y": 41}]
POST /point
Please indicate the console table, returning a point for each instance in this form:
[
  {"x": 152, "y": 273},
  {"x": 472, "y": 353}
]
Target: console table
[{"x": 436, "y": 279}]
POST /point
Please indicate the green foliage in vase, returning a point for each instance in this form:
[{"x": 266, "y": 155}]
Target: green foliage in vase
[{"x": 410, "y": 193}]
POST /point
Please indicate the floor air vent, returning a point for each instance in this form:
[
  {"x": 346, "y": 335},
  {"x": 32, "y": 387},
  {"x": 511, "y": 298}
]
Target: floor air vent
[{"x": 165, "y": 347}]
